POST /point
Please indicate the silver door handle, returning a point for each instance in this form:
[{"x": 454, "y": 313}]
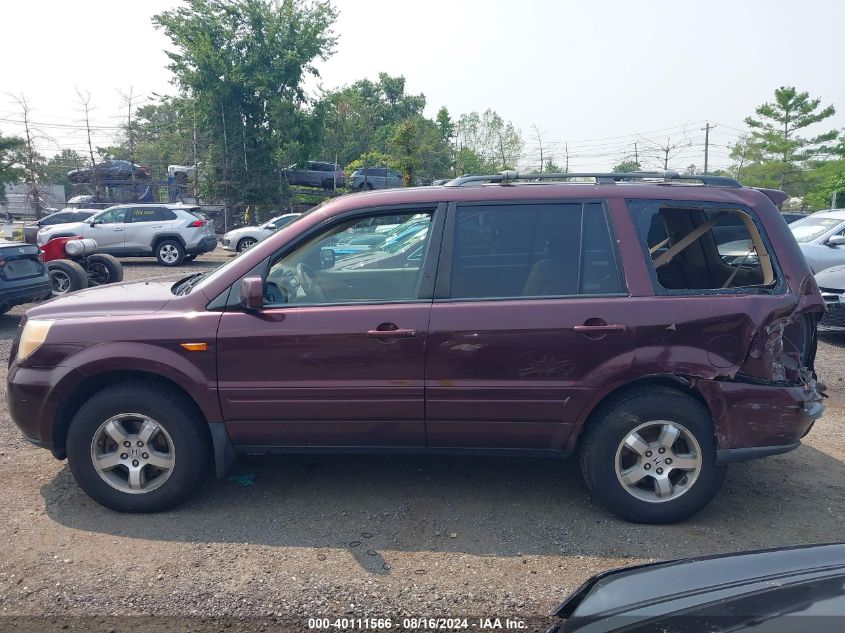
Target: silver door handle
[{"x": 117, "y": 229}]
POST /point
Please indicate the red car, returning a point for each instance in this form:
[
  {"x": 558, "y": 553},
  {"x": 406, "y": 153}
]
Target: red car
[{"x": 542, "y": 317}]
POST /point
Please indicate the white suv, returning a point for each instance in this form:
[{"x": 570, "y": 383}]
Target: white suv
[{"x": 171, "y": 233}]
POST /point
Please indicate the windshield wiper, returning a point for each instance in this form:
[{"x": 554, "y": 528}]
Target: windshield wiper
[{"x": 186, "y": 284}]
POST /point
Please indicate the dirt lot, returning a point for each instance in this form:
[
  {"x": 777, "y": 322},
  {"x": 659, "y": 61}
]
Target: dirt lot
[{"x": 328, "y": 536}]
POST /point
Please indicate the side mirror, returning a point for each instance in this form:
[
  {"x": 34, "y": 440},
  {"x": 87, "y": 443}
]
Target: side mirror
[
  {"x": 93, "y": 224},
  {"x": 835, "y": 240},
  {"x": 271, "y": 227},
  {"x": 252, "y": 293}
]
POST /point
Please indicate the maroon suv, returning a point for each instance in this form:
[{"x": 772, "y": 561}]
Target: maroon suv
[{"x": 532, "y": 317}]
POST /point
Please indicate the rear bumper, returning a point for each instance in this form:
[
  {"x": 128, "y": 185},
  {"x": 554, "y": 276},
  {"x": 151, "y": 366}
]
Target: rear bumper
[
  {"x": 206, "y": 245},
  {"x": 757, "y": 420},
  {"x": 31, "y": 292}
]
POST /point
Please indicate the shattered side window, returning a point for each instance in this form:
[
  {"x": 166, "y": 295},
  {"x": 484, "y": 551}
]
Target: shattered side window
[{"x": 702, "y": 249}]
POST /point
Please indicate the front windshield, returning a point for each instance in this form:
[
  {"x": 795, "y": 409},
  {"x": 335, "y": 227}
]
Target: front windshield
[{"x": 811, "y": 228}]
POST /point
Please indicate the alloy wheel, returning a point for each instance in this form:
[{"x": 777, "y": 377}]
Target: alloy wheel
[
  {"x": 133, "y": 453},
  {"x": 169, "y": 253},
  {"x": 658, "y": 461}
]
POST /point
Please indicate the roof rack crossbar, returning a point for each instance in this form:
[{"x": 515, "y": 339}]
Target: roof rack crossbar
[{"x": 508, "y": 177}]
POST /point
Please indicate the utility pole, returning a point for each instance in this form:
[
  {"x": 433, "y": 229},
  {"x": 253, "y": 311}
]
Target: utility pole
[
  {"x": 636, "y": 156},
  {"x": 566, "y": 154},
  {"x": 707, "y": 129}
]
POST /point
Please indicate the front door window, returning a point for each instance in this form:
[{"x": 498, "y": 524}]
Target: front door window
[{"x": 356, "y": 261}]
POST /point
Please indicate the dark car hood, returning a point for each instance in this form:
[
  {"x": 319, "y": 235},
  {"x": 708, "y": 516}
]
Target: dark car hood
[
  {"x": 833, "y": 277},
  {"x": 114, "y": 299},
  {"x": 628, "y": 596}
]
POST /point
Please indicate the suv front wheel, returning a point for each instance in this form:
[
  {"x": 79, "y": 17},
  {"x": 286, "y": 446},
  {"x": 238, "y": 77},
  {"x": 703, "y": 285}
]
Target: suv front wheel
[
  {"x": 136, "y": 447},
  {"x": 649, "y": 455}
]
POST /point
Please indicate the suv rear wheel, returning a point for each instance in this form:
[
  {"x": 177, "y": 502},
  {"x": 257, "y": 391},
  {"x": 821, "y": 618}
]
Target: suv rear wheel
[
  {"x": 135, "y": 447},
  {"x": 649, "y": 455},
  {"x": 170, "y": 252}
]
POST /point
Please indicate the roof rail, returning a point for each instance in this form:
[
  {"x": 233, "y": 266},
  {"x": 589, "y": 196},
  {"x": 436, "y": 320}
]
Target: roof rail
[{"x": 509, "y": 177}]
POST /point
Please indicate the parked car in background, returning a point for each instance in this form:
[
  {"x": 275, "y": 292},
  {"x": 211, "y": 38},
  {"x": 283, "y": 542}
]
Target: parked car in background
[
  {"x": 731, "y": 229},
  {"x": 821, "y": 236},
  {"x": 109, "y": 172},
  {"x": 792, "y": 216},
  {"x": 23, "y": 275},
  {"x": 246, "y": 237},
  {"x": 375, "y": 178},
  {"x": 360, "y": 242},
  {"x": 831, "y": 282},
  {"x": 778, "y": 590},
  {"x": 547, "y": 319},
  {"x": 317, "y": 174},
  {"x": 65, "y": 216},
  {"x": 171, "y": 233}
]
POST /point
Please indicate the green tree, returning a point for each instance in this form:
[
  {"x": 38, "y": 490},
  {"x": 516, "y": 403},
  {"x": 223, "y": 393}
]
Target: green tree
[
  {"x": 551, "y": 167},
  {"x": 57, "y": 167},
  {"x": 11, "y": 162},
  {"x": 824, "y": 181},
  {"x": 495, "y": 141},
  {"x": 775, "y": 140},
  {"x": 360, "y": 118},
  {"x": 242, "y": 64},
  {"x": 444, "y": 122},
  {"x": 626, "y": 167}
]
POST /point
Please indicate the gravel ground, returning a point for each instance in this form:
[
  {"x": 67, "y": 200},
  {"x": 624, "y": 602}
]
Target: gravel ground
[{"x": 330, "y": 536}]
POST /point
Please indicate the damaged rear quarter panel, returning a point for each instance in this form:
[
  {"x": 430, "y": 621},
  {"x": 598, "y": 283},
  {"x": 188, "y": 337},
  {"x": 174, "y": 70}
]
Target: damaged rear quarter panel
[{"x": 748, "y": 355}]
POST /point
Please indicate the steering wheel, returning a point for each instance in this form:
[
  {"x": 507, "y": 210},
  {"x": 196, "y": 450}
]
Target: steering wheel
[
  {"x": 274, "y": 293},
  {"x": 309, "y": 283}
]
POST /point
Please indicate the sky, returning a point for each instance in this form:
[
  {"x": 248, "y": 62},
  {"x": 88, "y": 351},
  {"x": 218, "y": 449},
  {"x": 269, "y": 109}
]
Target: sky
[{"x": 592, "y": 77}]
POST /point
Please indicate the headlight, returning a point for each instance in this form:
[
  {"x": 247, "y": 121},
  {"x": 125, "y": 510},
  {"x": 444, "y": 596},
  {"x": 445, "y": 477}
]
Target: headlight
[
  {"x": 41, "y": 238},
  {"x": 33, "y": 336}
]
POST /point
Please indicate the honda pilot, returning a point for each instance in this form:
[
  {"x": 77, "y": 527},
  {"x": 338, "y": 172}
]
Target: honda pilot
[{"x": 561, "y": 315}]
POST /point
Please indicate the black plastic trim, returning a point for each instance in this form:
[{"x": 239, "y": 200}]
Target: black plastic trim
[
  {"x": 732, "y": 455},
  {"x": 224, "y": 450},
  {"x": 404, "y": 450}
]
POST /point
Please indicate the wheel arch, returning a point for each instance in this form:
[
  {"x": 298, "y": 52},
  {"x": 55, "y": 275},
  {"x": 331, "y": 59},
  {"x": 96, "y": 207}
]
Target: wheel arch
[
  {"x": 91, "y": 384},
  {"x": 681, "y": 384},
  {"x": 167, "y": 236}
]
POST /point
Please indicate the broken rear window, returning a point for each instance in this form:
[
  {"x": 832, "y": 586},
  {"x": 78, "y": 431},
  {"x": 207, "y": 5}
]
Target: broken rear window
[{"x": 703, "y": 249}]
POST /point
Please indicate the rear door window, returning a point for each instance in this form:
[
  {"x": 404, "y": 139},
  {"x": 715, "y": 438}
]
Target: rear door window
[
  {"x": 707, "y": 249},
  {"x": 532, "y": 250},
  {"x": 142, "y": 214}
]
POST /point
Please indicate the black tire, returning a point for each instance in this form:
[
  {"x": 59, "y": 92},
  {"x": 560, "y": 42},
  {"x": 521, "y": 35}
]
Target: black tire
[
  {"x": 66, "y": 276},
  {"x": 614, "y": 420},
  {"x": 328, "y": 184},
  {"x": 171, "y": 411},
  {"x": 246, "y": 243},
  {"x": 367, "y": 186},
  {"x": 104, "y": 269},
  {"x": 170, "y": 252}
]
